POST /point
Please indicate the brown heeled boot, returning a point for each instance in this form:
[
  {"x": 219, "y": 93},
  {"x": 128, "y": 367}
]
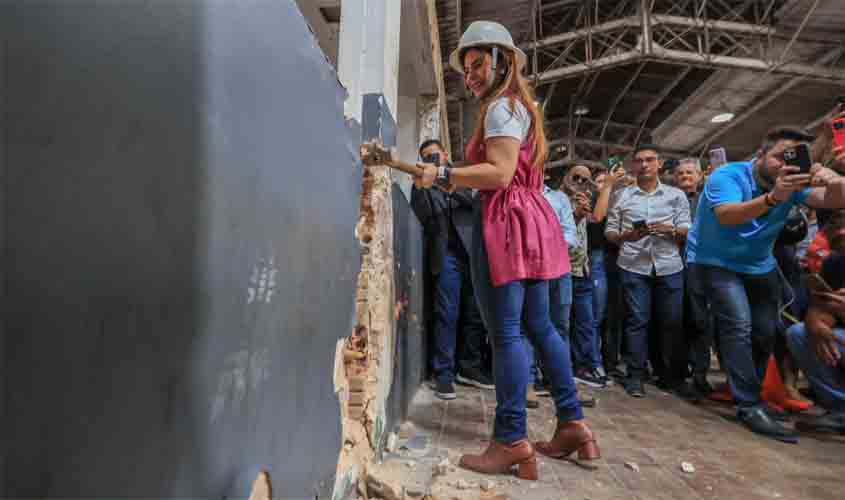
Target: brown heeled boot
[
  {"x": 571, "y": 437},
  {"x": 499, "y": 458}
]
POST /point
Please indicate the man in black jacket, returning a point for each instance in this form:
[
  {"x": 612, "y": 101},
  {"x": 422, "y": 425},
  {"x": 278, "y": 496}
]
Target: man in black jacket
[{"x": 447, "y": 220}]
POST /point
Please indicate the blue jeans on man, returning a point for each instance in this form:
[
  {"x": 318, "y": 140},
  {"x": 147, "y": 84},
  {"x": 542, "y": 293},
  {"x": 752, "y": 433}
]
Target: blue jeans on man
[
  {"x": 585, "y": 341},
  {"x": 598, "y": 273},
  {"x": 827, "y": 382},
  {"x": 560, "y": 307},
  {"x": 454, "y": 299},
  {"x": 699, "y": 326},
  {"x": 665, "y": 296},
  {"x": 745, "y": 309},
  {"x": 615, "y": 312}
]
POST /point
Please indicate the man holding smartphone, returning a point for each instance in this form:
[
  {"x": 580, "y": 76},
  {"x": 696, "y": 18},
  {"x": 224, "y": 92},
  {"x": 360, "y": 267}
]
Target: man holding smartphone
[
  {"x": 742, "y": 210},
  {"x": 648, "y": 221},
  {"x": 818, "y": 344}
]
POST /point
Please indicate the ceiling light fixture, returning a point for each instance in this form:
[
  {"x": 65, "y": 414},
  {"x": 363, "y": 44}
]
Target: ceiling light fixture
[
  {"x": 581, "y": 110},
  {"x": 722, "y": 118}
]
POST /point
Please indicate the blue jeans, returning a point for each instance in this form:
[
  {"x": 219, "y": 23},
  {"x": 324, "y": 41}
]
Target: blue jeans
[
  {"x": 560, "y": 306},
  {"x": 502, "y": 311},
  {"x": 699, "y": 326},
  {"x": 665, "y": 296},
  {"x": 828, "y": 382},
  {"x": 613, "y": 352},
  {"x": 584, "y": 334},
  {"x": 453, "y": 296},
  {"x": 746, "y": 334},
  {"x": 599, "y": 275}
]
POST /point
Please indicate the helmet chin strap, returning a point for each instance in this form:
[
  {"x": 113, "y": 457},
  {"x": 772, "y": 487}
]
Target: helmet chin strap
[{"x": 493, "y": 74}]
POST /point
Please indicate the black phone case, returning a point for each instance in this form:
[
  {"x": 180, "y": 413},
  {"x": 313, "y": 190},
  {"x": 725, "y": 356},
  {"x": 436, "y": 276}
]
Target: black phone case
[{"x": 799, "y": 156}]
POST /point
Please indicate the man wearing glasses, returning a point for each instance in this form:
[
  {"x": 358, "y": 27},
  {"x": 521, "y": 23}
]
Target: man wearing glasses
[
  {"x": 648, "y": 222},
  {"x": 586, "y": 352}
]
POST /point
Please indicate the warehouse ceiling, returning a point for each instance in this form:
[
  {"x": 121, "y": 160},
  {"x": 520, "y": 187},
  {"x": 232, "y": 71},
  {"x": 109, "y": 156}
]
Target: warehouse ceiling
[{"x": 612, "y": 73}]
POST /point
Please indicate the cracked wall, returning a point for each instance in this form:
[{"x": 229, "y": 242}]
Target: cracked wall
[{"x": 383, "y": 359}]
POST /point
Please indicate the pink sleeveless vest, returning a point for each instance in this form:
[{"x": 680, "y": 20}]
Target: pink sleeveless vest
[{"x": 522, "y": 234}]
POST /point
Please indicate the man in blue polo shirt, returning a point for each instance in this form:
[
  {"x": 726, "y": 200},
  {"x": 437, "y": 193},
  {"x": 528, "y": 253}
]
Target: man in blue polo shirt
[{"x": 729, "y": 250}]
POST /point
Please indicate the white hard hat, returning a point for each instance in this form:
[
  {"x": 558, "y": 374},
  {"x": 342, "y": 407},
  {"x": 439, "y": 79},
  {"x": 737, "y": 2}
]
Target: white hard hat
[{"x": 485, "y": 34}]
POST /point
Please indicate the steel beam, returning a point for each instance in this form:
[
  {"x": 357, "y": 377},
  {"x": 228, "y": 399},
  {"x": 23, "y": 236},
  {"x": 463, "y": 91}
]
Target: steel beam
[
  {"x": 577, "y": 69},
  {"x": 814, "y": 72},
  {"x": 656, "y": 21},
  {"x": 810, "y": 71}
]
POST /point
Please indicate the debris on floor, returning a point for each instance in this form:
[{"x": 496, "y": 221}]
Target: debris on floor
[
  {"x": 633, "y": 466},
  {"x": 641, "y": 442}
]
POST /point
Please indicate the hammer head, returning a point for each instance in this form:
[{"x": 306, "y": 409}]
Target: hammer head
[{"x": 374, "y": 153}]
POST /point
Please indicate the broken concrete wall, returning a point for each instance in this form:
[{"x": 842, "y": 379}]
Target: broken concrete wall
[
  {"x": 180, "y": 196},
  {"x": 384, "y": 357}
]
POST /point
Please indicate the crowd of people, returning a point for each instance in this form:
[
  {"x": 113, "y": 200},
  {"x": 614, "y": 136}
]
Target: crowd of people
[{"x": 635, "y": 270}]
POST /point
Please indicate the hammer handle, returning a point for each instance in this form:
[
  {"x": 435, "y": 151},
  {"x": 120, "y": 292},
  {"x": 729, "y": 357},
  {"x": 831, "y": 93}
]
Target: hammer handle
[{"x": 412, "y": 170}]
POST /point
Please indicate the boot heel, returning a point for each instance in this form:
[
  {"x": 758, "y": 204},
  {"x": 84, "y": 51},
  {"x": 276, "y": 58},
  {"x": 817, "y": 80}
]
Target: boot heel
[
  {"x": 589, "y": 451},
  {"x": 527, "y": 469}
]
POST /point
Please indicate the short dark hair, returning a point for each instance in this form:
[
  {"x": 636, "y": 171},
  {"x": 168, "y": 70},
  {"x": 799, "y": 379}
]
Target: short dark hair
[
  {"x": 646, "y": 147},
  {"x": 431, "y": 142},
  {"x": 785, "y": 133}
]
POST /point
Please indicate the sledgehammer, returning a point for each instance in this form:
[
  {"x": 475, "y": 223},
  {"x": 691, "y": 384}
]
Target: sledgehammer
[{"x": 374, "y": 153}]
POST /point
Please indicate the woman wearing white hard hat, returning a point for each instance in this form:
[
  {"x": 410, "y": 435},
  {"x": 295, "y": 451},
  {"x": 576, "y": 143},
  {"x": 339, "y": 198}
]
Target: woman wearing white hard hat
[{"x": 520, "y": 249}]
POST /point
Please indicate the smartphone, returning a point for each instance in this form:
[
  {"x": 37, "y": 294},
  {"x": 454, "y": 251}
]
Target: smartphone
[
  {"x": 799, "y": 156},
  {"x": 640, "y": 225},
  {"x": 838, "y": 126},
  {"x": 718, "y": 157},
  {"x": 817, "y": 284}
]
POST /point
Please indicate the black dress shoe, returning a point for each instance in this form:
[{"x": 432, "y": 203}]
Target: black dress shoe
[
  {"x": 634, "y": 387},
  {"x": 757, "y": 420},
  {"x": 775, "y": 414},
  {"x": 833, "y": 422},
  {"x": 687, "y": 392}
]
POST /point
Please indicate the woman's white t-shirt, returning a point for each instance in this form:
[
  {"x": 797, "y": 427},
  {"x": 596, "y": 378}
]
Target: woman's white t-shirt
[{"x": 502, "y": 122}]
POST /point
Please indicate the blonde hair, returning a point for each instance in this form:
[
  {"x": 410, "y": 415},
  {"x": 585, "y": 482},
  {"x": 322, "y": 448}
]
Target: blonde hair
[{"x": 517, "y": 87}]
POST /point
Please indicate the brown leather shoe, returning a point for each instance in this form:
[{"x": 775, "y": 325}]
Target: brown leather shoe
[
  {"x": 499, "y": 458},
  {"x": 571, "y": 437}
]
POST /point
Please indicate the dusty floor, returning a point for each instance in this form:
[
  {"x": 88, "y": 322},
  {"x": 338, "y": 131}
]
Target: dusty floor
[{"x": 643, "y": 441}]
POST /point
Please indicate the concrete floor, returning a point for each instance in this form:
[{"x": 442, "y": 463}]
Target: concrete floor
[{"x": 643, "y": 442}]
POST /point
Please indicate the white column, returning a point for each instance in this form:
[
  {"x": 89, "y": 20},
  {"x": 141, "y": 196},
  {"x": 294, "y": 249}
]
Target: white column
[{"x": 368, "y": 56}]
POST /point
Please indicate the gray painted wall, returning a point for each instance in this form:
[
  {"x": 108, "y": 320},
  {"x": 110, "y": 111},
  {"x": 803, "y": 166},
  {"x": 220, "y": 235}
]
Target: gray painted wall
[{"x": 166, "y": 163}]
